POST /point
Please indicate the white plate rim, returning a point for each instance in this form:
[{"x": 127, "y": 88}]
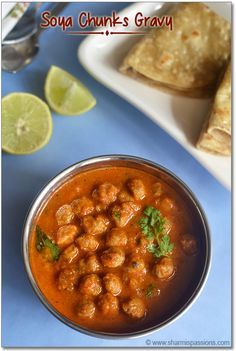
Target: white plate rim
[{"x": 83, "y": 53}]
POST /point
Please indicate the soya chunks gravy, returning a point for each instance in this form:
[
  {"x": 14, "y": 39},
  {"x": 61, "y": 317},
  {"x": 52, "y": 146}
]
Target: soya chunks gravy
[{"x": 113, "y": 248}]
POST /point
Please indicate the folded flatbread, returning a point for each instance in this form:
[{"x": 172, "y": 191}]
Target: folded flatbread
[
  {"x": 187, "y": 60},
  {"x": 216, "y": 134}
]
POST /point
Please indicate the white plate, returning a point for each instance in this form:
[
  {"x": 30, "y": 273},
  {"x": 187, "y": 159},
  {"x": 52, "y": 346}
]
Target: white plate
[{"x": 181, "y": 117}]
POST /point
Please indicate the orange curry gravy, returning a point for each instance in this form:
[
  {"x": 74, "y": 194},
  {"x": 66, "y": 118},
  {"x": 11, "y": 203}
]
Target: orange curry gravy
[{"x": 126, "y": 287}]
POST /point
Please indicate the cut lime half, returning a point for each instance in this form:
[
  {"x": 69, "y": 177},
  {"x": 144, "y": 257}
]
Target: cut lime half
[
  {"x": 65, "y": 94},
  {"x": 26, "y": 123}
]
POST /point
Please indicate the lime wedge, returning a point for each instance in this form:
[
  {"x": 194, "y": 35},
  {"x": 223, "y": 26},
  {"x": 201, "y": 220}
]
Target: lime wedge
[
  {"x": 26, "y": 123},
  {"x": 65, "y": 94}
]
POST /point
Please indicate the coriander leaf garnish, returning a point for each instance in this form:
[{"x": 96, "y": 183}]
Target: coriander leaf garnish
[
  {"x": 40, "y": 237},
  {"x": 150, "y": 290},
  {"x": 152, "y": 225},
  {"x": 117, "y": 215},
  {"x": 43, "y": 241},
  {"x": 164, "y": 247},
  {"x": 55, "y": 251}
]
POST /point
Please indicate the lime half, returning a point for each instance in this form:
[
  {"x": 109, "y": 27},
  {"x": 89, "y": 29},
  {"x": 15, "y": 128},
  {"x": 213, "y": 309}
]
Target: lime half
[
  {"x": 26, "y": 123},
  {"x": 65, "y": 94}
]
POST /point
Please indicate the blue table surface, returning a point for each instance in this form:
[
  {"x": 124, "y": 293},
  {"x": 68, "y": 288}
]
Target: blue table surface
[{"x": 113, "y": 126}]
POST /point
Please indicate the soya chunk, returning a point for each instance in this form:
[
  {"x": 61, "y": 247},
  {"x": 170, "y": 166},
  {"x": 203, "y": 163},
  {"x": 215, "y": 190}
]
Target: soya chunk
[
  {"x": 135, "y": 308},
  {"x": 125, "y": 196},
  {"x": 165, "y": 268},
  {"x": 68, "y": 278},
  {"x": 135, "y": 282},
  {"x": 136, "y": 265},
  {"x": 113, "y": 257},
  {"x": 90, "y": 285},
  {"x": 189, "y": 244},
  {"x": 69, "y": 254},
  {"x": 157, "y": 189},
  {"x": 116, "y": 237},
  {"x": 137, "y": 189},
  {"x": 100, "y": 208},
  {"x": 64, "y": 215},
  {"x": 89, "y": 265},
  {"x": 106, "y": 193},
  {"x": 108, "y": 304},
  {"x": 66, "y": 234},
  {"x": 95, "y": 225},
  {"x": 112, "y": 283},
  {"x": 83, "y": 206},
  {"x": 86, "y": 308},
  {"x": 167, "y": 204},
  {"x": 87, "y": 242},
  {"x": 141, "y": 245},
  {"x": 92, "y": 264},
  {"x": 123, "y": 213}
]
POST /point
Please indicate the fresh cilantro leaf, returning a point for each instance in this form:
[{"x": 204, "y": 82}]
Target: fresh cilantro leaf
[
  {"x": 150, "y": 290},
  {"x": 117, "y": 215},
  {"x": 43, "y": 241},
  {"x": 166, "y": 246},
  {"x": 146, "y": 229},
  {"x": 155, "y": 250},
  {"x": 55, "y": 251},
  {"x": 40, "y": 237},
  {"x": 152, "y": 225}
]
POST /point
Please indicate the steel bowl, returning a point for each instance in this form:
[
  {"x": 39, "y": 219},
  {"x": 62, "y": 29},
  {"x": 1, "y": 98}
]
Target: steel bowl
[{"x": 151, "y": 168}]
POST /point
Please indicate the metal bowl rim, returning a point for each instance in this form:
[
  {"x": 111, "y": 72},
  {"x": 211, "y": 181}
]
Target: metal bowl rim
[{"x": 94, "y": 160}]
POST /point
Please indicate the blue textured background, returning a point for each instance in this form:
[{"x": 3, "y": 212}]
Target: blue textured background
[{"x": 113, "y": 126}]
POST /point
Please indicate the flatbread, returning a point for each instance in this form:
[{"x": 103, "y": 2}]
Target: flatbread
[
  {"x": 187, "y": 60},
  {"x": 216, "y": 134}
]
